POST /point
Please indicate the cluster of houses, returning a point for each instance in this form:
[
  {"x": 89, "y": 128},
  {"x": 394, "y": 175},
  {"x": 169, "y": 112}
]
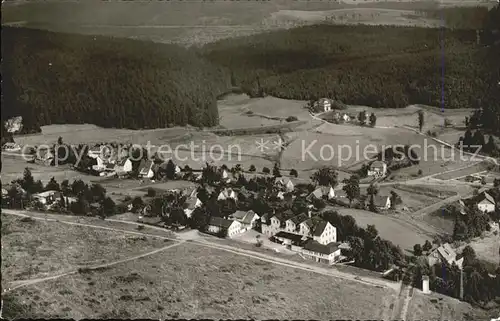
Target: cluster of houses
[{"x": 309, "y": 235}]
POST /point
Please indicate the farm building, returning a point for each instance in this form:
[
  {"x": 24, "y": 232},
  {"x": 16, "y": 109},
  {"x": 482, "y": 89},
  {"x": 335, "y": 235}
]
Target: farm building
[
  {"x": 377, "y": 169},
  {"x": 219, "y": 224},
  {"x": 146, "y": 169},
  {"x": 382, "y": 202},
  {"x": 284, "y": 182},
  {"x": 246, "y": 219},
  {"x": 192, "y": 204},
  {"x": 291, "y": 241},
  {"x": 485, "y": 202},
  {"x": 322, "y": 192},
  {"x": 303, "y": 224},
  {"x": 324, "y": 104},
  {"x": 227, "y": 193},
  {"x": 329, "y": 253},
  {"x": 123, "y": 166},
  {"x": 47, "y": 197},
  {"x": 444, "y": 254}
]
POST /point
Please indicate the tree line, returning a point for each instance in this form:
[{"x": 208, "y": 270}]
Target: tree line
[{"x": 52, "y": 78}]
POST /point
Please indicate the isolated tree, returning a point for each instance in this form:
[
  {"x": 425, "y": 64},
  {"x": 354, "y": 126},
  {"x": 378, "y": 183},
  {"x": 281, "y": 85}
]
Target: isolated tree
[
  {"x": 427, "y": 246},
  {"x": 170, "y": 170},
  {"x": 466, "y": 121},
  {"x": 187, "y": 169},
  {"x": 372, "y": 189},
  {"x": 108, "y": 207},
  {"x": 52, "y": 185},
  {"x": 98, "y": 192},
  {"x": 469, "y": 255},
  {"x": 37, "y": 187},
  {"x": 478, "y": 139},
  {"x": 420, "y": 120},
  {"x": 294, "y": 173},
  {"x": 325, "y": 176},
  {"x": 372, "y": 207},
  {"x": 151, "y": 192},
  {"x": 490, "y": 146},
  {"x": 65, "y": 188},
  {"x": 27, "y": 181},
  {"x": 362, "y": 117},
  {"x": 199, "y": 219},
  {"x": 266, "y": 170},
  {"x": 60, "y": 141},
  {"x": 395, "y": 199},
  {"x": 276, "y": 170},
  {"x": 137, "y": 204},
  {"x": 351, "y": 188},
  {"x": 78, "y": 187},
  {"x": 252, "y": 168},
  {"x": 468, "y": 139},
  {"x": 373, "y": 120},
  {"x": 417, "y": 250}
]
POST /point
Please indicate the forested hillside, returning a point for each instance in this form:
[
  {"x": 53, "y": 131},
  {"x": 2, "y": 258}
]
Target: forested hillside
[
  {"x": 61, "y": 78},
  {"x": 367, "y": 65}
]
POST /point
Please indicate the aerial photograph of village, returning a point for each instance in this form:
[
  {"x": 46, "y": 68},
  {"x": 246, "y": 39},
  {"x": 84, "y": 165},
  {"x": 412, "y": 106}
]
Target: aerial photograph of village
[{"x": 260, "y": 159}]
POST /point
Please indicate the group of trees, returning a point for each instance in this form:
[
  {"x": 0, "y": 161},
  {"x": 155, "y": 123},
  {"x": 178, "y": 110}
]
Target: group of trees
[
  {"x": 363, "y": 118},
  {"x": 51, "y": 78},
  {"x": 479, "y": 284},
  {"x": 367, "y": 248},
  {"x": 472, "y": 142},
  {"x": 85, "y": 195}
]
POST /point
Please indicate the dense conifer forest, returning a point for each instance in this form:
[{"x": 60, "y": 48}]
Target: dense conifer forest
[
  {"x": 61, "y": 78},
  {"x": 365, "y": 65}
]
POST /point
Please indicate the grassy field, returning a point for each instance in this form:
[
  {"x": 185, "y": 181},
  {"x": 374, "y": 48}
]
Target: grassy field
[
  {"x": 189, "y": 281},
  {"x": 440, "y": 307},
  {"x": 480, "y": 167},
  {"x": 13, "y": 167},
  {"x": 33, "y": 248},
  {"x": 389, "y": 228},
  {"x": 487, "y": 247}
]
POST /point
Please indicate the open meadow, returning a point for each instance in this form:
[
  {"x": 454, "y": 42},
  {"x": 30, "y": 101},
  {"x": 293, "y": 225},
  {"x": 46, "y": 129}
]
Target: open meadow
[
  {"x": 390, "y": 228},
  {"x": 190, "y": 281},
  {"x": 35, "y": 249},
  {"x": 13, "y": 168},
  {"x": 439, "y": 307}
]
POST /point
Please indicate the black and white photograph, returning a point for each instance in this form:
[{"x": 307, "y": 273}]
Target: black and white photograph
[{"x": 250, "y": 159}]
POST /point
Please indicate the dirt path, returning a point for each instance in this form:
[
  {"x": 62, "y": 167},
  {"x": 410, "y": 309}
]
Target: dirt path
[
  {"x": 194, "y": 237},
  {"x": 52, "y": 219},
  {"x": 306, "y": 267},
  {"x": 21, "y": 283}
]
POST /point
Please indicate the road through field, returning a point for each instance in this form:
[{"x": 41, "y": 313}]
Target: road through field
[
  {"x": 194, "y": 237},
  {"x": 21, "y": 283}
]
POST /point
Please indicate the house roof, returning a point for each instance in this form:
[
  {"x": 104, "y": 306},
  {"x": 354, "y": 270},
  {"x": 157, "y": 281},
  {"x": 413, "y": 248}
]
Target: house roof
[
  {"x": 319, "y": 227},
  {"x": 220, "y": 222},
  {"x": 378, "y": 164},
  {"x": 191, "y": 202},
  {"x": 46, "y": 193},
  {"x": 145, "y": 166},
  {"x": 318, "y": 193},
  {"x": 486, "y": 197},
  {"x": 324, "y": 101},
  {"x": 295, "y": 238},
  {"x": 340, "y": 193},
  {"x": 380, "y": 201},
  {"x": 314, "y": 246},
  {"x": 447, "y": 253},
  {"x": 238, "y": 215},
  {"x": 299, "y": 218}
]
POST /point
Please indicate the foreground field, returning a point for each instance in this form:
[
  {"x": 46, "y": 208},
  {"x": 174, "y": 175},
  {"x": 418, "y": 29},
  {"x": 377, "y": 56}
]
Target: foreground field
[
  {"x": 189, "y": 281},
  {"x": 34, "y": 249},
  {"x": 440, "y": 307}
]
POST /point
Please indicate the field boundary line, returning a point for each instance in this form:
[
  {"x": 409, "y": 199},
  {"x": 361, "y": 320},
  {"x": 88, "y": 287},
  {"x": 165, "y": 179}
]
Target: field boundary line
[
  {"x": 23, "y": 283},
  {"x": 10, "y": 212},
  {"x": 301, "y": 266}
]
